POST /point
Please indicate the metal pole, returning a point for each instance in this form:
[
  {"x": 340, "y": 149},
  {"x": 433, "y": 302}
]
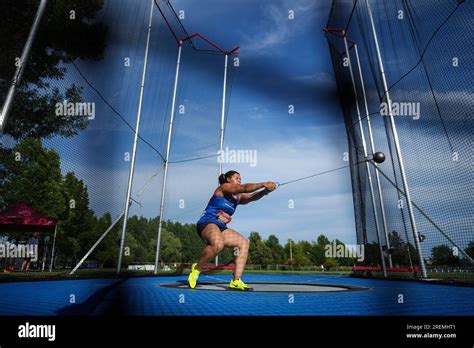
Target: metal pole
[
  {"x": 372, "y": 148},
  {"x": 165, "y": 176},
  {"x": 21, "y": 67},
  {"x": 364, "y": 145},
  {"x": 135, "y": 141},
  {"x": 397, "y": 147},
  {"x": 222, "y": 124},
  {"x": 52, "y": 251},
  {"x": 223, "y": 111},
  {"x": 97, "y": 243}
]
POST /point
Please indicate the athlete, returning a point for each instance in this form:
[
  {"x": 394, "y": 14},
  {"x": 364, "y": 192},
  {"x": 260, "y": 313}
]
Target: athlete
[{"x": 212, "y": 226}]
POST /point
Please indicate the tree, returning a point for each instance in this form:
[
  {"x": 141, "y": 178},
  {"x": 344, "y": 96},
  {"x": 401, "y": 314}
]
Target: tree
[
  {"x": 402, "y": 251},
  {"x": 300, "y": 251},
  {"x": 259, "y": 252},
  {"x": 330, "y": 263},
  {"x": 278, "y": 252},
  {"x": 344, "y": 261},
  {"x": 170, "y": 247},
  {"x": 372, "y": 255},
  {"x": 442, "y": 255},
  {"x": 106, "y": 254},
  {"x": 470, "y": 249},
  {"x": 77, "y": 221},
  {"x": 317, "y": 254},
  {"x": 323, "y": 240},
  {"x": 30, "y": 173},
  {"x": 60, "y": 40},
  {"x": 191, "y": 244}
]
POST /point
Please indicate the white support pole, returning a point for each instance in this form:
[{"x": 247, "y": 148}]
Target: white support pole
[
  {"x": 165, "y": 176},
  {"x": 223, "y": 112},
  {"x": 372, "y": 148},
  {"x": 364, "y": 145},
  {"x": 97, "y": 243},
  {"x": 222, "y": 125},
  {"x": 53, "y": 249},
  {"x": 397, "y": 147},
  {"x": 21, "y": 67},
  {"x": 135, "y": 141}
]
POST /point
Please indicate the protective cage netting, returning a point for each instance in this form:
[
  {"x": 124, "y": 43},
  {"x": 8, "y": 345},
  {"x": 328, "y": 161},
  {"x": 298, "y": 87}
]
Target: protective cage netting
[{"x": 425, "y": 52}]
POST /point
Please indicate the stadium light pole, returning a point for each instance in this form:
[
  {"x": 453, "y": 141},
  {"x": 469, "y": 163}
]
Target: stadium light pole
[
  {"x": 372, "y": 147},
  {"x": 168, "y": 146},
  {"x": 21, "y": 66},
  {"x": 364, "y": 145},
  {"x": 135, "y": 141},
  {"x": 397, "y": 146}
]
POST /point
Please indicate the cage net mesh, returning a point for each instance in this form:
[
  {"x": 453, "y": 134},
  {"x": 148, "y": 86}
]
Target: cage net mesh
[{"x": 424, "y": 47}]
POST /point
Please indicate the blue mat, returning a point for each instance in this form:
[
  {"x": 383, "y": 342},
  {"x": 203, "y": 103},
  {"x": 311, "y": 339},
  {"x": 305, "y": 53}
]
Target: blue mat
[{"x": 145, "y": 296}]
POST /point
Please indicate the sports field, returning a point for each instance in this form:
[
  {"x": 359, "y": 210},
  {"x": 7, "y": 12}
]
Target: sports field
[{"x": 147, "y": 296}]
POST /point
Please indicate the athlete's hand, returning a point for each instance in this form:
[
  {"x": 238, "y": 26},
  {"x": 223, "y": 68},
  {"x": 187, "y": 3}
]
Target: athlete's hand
[{"x": 270, "y": 186}]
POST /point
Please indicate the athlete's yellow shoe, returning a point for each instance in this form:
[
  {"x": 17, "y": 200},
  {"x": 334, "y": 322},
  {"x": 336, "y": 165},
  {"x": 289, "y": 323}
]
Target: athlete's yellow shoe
[
  {"x": 193, "y": 276},
  {"x": 238, "y": 284}
]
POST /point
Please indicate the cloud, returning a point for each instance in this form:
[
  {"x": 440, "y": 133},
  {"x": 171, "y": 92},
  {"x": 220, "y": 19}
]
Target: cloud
[
  {"x": 276, "y": 28},
  {"x": 317, "y": 79}
]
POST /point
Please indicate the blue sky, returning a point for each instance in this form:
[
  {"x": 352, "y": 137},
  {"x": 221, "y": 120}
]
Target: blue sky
[{"x": 282, "y": 62}]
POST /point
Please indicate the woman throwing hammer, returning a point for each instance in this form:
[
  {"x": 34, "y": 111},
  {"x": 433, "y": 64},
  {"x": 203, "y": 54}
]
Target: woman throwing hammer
[{"x": 212, "y": 226}]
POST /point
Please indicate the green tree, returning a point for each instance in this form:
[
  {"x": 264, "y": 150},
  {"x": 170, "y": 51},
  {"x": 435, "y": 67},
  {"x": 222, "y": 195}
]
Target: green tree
[
  {"x": 278, "y": 252},
  {"x": 317, "y": 254},
  {"x": 372, "y": 255},
  {"x": 259, "y": 252},
  {"x": 107, "y": 252},
  {"x": 77, "y": 221},
  {"x": 191, "y": 244},
  {"x": 402, "y": 251},
  {"x": 301, "y": 253},
  {"x": 470, "y": 249},
  {"x": 30, "y": 173},
  {"x": 170, "y": 247},
  {"x": 442, "y": 255},
  {"x": 342, "y": 260},
  {"x": 323, "y": 240},
  {"x": 330, "y": 263}
]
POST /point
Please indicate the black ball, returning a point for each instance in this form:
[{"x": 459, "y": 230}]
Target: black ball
[{"x": 379, "y": 157}]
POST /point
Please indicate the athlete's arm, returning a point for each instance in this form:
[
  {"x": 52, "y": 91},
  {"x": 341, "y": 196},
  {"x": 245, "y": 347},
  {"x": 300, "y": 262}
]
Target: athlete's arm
[
  {"x": 229, "y": 188},
  {"x": 252, "y": 197}
]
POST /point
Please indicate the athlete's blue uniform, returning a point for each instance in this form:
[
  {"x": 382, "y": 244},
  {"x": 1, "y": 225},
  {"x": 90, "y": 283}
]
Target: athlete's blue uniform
[{"x": 215, "y": 205}]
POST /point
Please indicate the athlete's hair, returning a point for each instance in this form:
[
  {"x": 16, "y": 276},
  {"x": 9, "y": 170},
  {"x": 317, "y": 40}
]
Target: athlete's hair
[{"x": 223, "y": 177}]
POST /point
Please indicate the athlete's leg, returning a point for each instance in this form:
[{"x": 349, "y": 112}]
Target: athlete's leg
[
  {"x": 214, "y": 243},
  {"x": 234, "y": 239}
]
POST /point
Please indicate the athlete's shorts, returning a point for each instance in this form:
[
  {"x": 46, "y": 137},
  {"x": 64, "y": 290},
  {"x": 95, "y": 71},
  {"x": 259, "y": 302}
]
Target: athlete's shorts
[{"x": 200, "y": 227}]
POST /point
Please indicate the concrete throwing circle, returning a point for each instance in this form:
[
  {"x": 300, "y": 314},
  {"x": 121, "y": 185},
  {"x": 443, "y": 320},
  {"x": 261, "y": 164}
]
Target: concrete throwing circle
[{"x": 267, "y": 287}]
